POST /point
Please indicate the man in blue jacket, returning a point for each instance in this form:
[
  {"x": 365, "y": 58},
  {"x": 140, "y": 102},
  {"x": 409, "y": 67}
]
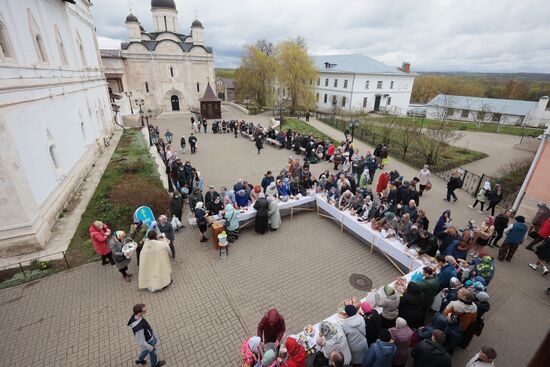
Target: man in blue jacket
[
  {"x": 446, "y": 272},
  {"x": 514, "y": 236},
  {"x": 381, "y": 352}
]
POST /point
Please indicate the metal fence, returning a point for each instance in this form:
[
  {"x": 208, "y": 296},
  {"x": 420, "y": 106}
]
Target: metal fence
[
  {"x": 410, "y": 154},
  {"x": 33, "y": 268}
]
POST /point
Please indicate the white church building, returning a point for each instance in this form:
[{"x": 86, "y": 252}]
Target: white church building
[
  {"x": 54, "y": 114},
  {"x": 169, "y": 70},
  {"x": 356, "y": 82}
]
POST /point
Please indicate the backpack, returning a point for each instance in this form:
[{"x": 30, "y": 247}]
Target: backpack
[{"x": 459, "y": 183}]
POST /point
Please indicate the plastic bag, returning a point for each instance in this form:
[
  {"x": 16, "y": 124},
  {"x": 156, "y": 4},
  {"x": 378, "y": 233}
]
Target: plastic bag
[
  {"x": 174, "y": 222},
  {"x": 179, "y": 223}
]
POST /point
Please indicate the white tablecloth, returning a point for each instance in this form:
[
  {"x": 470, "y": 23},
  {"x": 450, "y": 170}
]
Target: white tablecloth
[
  {"x": 391, "y": 246},
  {"x": 250, "y": 213}
]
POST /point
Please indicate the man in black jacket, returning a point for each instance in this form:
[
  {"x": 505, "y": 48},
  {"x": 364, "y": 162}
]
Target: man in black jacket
[
  {"x": 501, "y": 222},
  {"x": 455, "y": 182},
  {"x": 145, "y": 338},
  {"x": 209, "y": 198},
  {"x": 193, "y": 143},
  {"x": 431, "y": 352}
]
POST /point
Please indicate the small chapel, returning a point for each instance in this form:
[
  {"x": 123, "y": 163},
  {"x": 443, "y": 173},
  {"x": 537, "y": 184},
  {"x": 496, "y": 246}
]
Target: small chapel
[{"x": 168, "y": 70}]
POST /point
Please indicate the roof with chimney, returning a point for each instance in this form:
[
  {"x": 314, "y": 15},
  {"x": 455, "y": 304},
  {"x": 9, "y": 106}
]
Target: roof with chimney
[
  {"x": 355, "y": 64},
  {"x": 490, "y": 105},
  {"x": 209, "y": 95}
]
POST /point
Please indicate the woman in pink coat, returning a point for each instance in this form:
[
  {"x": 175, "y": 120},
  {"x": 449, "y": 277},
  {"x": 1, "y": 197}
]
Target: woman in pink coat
[{"x": 99, "y": 232}]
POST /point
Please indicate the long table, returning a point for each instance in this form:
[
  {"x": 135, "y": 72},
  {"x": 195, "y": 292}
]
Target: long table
[
  {"x": 291, "y": 204},
  {"x": 392, "y": 248}
]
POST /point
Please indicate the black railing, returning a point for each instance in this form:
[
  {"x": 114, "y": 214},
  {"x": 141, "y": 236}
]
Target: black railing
[{"x": 31, "y": 269}]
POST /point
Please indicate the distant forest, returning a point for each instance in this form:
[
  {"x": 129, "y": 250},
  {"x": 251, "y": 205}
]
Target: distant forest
[{"x": 508, "y": 86}]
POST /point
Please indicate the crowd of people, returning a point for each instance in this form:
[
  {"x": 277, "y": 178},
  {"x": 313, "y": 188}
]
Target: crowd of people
[{"x": 439, "y": 310}]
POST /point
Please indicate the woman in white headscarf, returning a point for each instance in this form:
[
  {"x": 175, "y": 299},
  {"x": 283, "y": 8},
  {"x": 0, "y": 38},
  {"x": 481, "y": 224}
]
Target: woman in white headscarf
[
  {"x": 271, "y": 190},
  {"x": 482, "y": 196},
  {"x": 333, "y": 339},
  {"x": 250, "y": 352},
  {"x": 273, "y": 213}
]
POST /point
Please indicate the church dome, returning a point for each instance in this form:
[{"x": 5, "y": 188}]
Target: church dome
[
  {"x": 163, "y": 4},
  {"x": 196, "y": 23},
  {"x": 131, "y": 18}
]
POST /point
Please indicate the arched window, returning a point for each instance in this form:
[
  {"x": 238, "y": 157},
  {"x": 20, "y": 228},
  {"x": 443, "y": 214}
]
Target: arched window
[
  {"x": 60, "y": 47},
  {"x": 5, "y": 45},
  {"x": 83, "y": 130},
  {"x": 80, "y": 47},
  {"x": 42, "y": 56},
  {"x": 37, "y": 37},
  {"x": 53, "y": 156}
]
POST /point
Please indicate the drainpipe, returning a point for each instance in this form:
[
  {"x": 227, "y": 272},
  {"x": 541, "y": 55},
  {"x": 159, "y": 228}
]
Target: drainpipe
[
  {"x": 351, "y": 95},
  {"x": 521, "y": 192}
]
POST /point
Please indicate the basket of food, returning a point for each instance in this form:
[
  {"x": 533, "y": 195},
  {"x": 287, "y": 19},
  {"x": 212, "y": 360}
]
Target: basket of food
[{"x": 129, "y": 247}]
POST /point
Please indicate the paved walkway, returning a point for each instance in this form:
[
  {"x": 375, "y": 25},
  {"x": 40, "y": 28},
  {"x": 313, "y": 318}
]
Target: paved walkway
[
  {"x": 501, "y": 149},
  {"x": 78, "y": 317}
]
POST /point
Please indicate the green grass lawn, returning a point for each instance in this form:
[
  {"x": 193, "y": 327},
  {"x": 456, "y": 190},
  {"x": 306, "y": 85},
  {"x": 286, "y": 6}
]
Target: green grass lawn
[
  {"x": 130, "y": 180},
  {"x": 465, "y": 126},
  {"x": 302, "y": 127},
  {"x": 373, "y": 134}
]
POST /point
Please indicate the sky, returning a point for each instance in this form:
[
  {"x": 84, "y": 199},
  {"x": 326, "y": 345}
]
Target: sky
[{"x": 433, "y": 35}]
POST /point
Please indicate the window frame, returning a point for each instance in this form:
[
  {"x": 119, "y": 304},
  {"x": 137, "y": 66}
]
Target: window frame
[
  {"x": 380, "y": 84},
  {"x": 465, "y": 113},
  {"x": 6, "y": 48},
  {"x": 345, "y": 84},
  {"x": 367, "y": 84}
]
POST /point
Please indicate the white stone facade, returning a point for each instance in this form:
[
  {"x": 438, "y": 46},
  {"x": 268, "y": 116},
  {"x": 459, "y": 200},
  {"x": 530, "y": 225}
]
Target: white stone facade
[
  {"x": 359, "y": 83},
  {"x": 490, "y": 110},
  {"x": 168, "y": 70},
  {"x": 55, "y": 114}
]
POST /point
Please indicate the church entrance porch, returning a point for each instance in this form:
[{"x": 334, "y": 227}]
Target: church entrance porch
[{"x": 175, "y": 103}]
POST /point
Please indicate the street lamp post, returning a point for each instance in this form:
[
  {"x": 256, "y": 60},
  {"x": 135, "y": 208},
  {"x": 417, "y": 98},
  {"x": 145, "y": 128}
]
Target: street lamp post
[
  {"x": 141, "y": 115},
  {"x": 116, "y": 108},
  {"x": 140, "y": 103},
  {"x": 129, "y": 95},
  {"x": 353, "y": 125},
  {"x": 147, "y": 116},
  {"x": 168, "y": 135}
]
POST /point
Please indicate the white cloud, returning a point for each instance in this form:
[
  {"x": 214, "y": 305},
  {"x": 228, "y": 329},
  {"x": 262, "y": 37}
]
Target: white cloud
[{"x": 472, "y": 35}]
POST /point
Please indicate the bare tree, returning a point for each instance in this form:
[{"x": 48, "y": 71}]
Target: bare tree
[
  {"x": 266, "y": 47},
  {"x": 435, "y": 140},
  {"x": 409, "y": 133},
  {"x": 480, "y": 115}
]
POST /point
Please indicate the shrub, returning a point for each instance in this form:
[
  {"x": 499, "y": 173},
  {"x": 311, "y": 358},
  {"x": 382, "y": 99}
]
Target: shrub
[{"x": 136, "y": 191}]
